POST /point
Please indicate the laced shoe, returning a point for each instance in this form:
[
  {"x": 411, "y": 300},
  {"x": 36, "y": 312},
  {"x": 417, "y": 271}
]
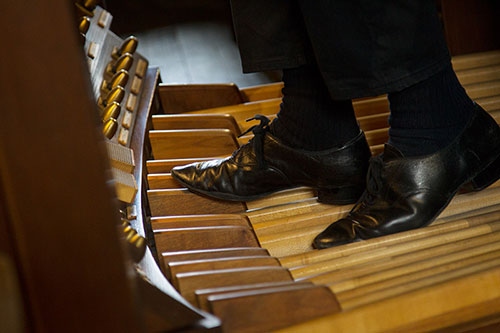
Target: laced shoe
[
  {"x": 407, "y": 193},
  {"x": 265, "y": 165}
]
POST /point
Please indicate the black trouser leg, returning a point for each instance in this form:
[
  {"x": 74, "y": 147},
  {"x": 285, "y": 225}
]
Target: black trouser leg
[{"x": 309, "y": 118}]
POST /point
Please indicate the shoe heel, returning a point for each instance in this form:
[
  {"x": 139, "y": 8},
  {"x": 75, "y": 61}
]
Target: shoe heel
[
  {"x": 485, "y": 178},
  {"x": 340, "y": 195}
]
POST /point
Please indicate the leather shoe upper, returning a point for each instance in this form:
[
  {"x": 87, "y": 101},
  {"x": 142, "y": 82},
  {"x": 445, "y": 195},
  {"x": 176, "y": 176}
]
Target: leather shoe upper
[
  {"x": 265, "y": 165},
  {"x": 407, "y": 193}
]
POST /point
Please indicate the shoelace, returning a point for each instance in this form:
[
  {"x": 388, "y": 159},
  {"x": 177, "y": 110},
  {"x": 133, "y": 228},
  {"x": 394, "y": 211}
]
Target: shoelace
[
  {"x": 374, "y": 181},
  {"x": 259, "y": 132}
]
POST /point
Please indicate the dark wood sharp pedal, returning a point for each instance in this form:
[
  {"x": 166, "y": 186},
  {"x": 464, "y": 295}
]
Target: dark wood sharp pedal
[
  {"x": 177, "y": 239},
  {"x": 188, "y": 283},
  {"x": 270, "y": 309}
]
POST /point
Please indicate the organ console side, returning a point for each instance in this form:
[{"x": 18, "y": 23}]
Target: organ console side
[{"x": 61, "y": 221}]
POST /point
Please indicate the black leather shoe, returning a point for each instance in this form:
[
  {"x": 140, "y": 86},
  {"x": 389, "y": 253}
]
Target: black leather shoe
[
  {"x": 408, "y": 193},
  {"x": 264, "y": 165}
]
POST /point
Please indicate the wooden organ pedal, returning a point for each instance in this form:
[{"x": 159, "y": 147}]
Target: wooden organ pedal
[
  {"x": 391, "y": 277},
  {"x": 249, "y": 263}
]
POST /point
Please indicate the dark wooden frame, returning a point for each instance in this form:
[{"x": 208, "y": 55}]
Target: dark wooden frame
[{"x": 59, "y": 221}]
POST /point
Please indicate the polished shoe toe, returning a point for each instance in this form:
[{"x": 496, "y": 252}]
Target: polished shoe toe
[
  {"x": 197, "y": 175},
  {"x": 338, "y": 233},
  {"x": 184, "y": 174},
  {"x": 214, "y": 178}
]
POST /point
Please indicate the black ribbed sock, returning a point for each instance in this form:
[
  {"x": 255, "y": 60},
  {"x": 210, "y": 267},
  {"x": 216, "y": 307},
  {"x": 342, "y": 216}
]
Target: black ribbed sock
[
  {"x": 309, "y": 119},
  {"x": 427, "y": 116}
]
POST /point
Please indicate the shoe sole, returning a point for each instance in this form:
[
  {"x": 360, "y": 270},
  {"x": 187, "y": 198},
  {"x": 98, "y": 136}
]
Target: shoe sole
[{"x": 336, "y": 196}]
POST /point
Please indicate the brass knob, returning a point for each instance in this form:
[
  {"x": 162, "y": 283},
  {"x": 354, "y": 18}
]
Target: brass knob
[
  {"x": 138, "y": 247},
  {"x": 125, "y": 222},
  {"x": 115, "y": 95},
  {"x": 84, "y": 25},
  {"x": 129, "y": 45},
  {"x": 110, "y": 128},
  {"x": 90, "y": 4},
  {"x": 120, "y": 78},
  {"x": 112, "y": 110},
  {"x": 124, "y": 62},
  {"x": 137, "y": 243}
]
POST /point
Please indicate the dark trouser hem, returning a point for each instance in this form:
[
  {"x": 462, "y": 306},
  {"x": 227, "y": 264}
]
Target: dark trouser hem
[
  {"x": 338, "y": 92},
  {"x": 361, "y": 47},
  {"x": 336, "y": 87},
  {"x": 273, "y": 65}
]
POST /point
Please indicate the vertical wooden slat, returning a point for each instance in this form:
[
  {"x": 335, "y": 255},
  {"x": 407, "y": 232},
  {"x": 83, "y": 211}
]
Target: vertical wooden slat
[{"x": 60, "y": 212}]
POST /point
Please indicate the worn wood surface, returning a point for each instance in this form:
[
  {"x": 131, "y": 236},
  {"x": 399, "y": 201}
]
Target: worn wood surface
[
  {"x": 178, "y": 239},
  {"x": 184, "y": 221},
  {"x": 439, "y": 271},
  {"x": 244, "y": 111},
  {"x": 203, "y": 294},
  {"x": 399, "y": 249},
  {"x": 476, "y": 60},
  {"x": 198, "y": 121},
  {"x": 192, "y": 143},
  {"x": 462, "y": 298},
  {"x": 183, "y": 202},
  {"x": 282, "y": 197},
  {"x": 348, "y": 278},
  {"x": 344, "y": 250},
  {"x": 162, "y": 181},
  {"x": 221, "y": 263},
  {"x": 174, "y": 256},
  {"x": 187, "y": 283},
  {"x": 262, "y": 92},
  {"x": 177, "y": 98},
  {"x": 270, "y": 309}
]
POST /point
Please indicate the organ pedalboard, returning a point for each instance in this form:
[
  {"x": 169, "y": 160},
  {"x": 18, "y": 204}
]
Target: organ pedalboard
[{"x": 244, "y": 260}]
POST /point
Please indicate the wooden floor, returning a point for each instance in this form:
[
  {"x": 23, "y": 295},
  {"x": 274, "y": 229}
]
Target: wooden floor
[{"x": 198, "y": 52}]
